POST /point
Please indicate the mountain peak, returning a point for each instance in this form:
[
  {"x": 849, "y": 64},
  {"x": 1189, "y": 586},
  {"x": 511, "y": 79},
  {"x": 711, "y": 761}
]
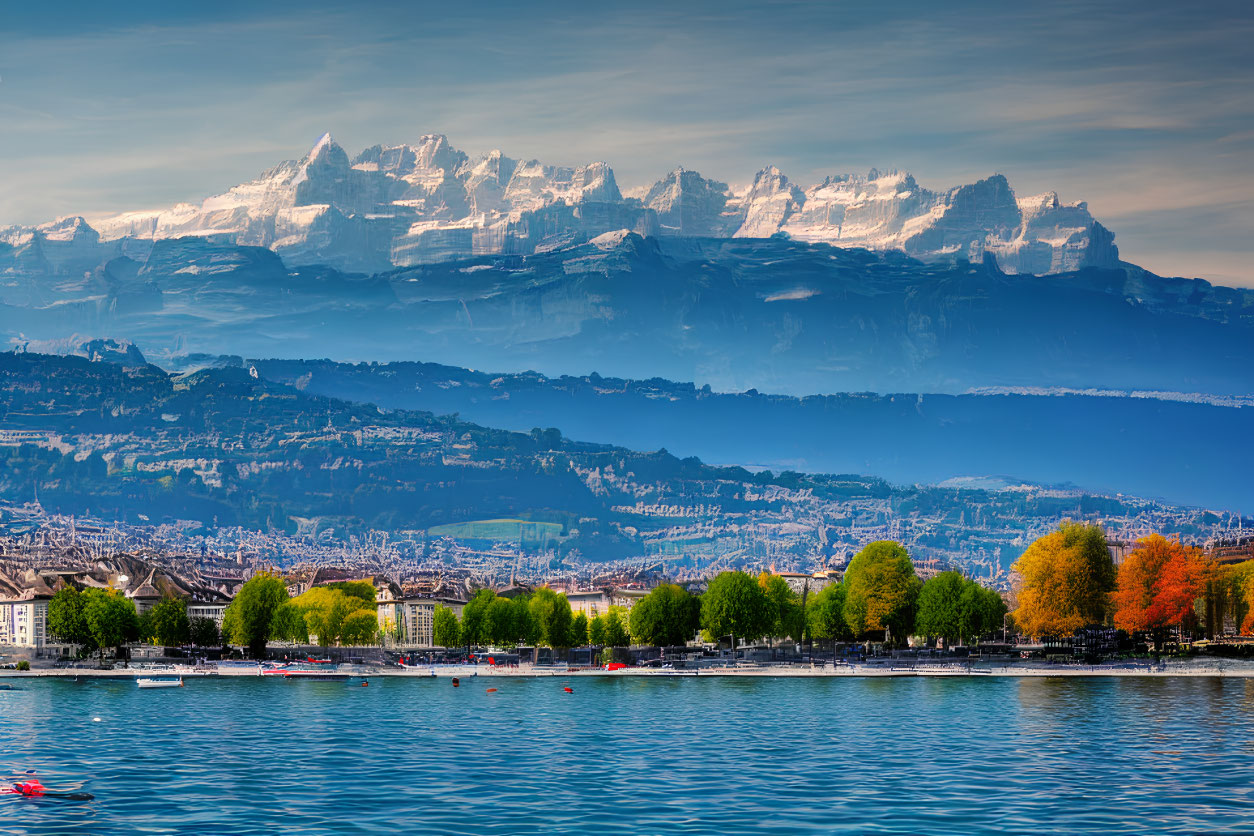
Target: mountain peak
[
  {"x": 400, "y": 205},
  {"x": 325, "y": 141}
]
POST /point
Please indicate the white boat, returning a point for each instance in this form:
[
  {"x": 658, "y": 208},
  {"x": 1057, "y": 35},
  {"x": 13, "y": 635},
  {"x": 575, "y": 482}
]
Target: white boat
[{"x": 149, "y": 682}]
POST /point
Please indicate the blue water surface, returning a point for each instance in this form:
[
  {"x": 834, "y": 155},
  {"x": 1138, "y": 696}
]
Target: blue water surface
[{"x": 635, "y": 755}]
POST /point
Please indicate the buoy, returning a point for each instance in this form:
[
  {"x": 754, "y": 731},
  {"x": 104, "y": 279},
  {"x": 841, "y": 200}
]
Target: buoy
[
  {"x": 456, "y": 682},
  {"x": 569, "y": 689},
  {"x": 365, "y": 684},
  {"x": 95, "y": 719},
  {"x": 491, "y": 690}
]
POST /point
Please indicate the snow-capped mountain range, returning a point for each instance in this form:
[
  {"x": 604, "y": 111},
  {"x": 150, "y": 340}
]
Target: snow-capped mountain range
[{"x": 402, "y": 205}]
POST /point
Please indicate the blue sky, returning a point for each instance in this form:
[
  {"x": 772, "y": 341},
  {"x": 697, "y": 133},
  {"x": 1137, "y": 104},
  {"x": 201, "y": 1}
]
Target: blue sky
[{"x": 1144, "y": 109}]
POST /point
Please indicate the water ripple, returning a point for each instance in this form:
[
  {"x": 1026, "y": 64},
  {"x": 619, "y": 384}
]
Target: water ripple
[{"x": 636, "y": 756}]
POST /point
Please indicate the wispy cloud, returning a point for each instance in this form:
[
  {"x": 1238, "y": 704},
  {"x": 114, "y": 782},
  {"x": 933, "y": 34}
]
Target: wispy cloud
[{"x": 1134, "y": 106}]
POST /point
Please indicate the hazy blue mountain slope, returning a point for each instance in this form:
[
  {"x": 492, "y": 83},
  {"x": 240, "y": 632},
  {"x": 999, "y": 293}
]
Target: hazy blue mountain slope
[
  {"x": 218, "y": 448},
  {"x": 1194, "y": 453},
  {"x": 775, "y": 315}
]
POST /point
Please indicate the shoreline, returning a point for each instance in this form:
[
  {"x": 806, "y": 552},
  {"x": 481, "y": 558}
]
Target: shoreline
[{"x": 1238, "y": 670}]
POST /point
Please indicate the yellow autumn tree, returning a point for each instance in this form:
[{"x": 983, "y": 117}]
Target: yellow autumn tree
[{"x": 1064, "y": 581}]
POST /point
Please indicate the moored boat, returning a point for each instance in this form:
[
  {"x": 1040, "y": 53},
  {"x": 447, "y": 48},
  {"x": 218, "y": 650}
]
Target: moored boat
[
  {"x": 319, "y": 676},
  {"x": 152, "y": 682}
]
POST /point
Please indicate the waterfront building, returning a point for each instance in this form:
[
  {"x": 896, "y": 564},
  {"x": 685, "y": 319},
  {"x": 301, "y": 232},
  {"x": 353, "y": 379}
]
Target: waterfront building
[
  {"x": 598, "y": 601},
  {"x": 202, "y": 609},
  {"x": 24, "y": 620},
  {"x": 411, "y": 620}
]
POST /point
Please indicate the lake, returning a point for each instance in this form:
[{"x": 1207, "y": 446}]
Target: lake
[{"x": 635, "y": 755}]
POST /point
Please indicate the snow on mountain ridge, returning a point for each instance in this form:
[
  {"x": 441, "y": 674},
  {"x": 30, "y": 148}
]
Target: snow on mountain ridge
[{"x": 406, "y": 204}]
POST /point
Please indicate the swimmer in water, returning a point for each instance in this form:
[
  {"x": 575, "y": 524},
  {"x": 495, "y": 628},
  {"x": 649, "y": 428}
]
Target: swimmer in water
[{"x": 32, "y": 788}]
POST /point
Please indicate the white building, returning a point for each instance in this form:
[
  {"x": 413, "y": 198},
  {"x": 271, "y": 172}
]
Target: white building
[
  {"x": 199, "y": 609},
  {"x": 24, "y": 621},
  {"x": 598, "y": 601},
  {"x": 411, "y": 620}
]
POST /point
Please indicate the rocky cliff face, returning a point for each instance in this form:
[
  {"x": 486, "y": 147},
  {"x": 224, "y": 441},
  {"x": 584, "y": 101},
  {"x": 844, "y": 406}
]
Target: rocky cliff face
[{"x": 402, "y": 205}]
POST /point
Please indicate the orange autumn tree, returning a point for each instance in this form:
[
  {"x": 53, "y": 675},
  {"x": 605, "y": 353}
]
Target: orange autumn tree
[
  {"x": 1159, "y": 584},
  {"x": 1064, "y": 581}
]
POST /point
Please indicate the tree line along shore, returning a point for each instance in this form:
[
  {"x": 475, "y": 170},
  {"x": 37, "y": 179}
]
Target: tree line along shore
[{"x": 1065, "y": 582}]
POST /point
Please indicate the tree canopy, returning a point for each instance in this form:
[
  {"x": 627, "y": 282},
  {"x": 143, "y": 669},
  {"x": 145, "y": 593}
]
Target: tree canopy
[
  {"x": 169, "y": 624},
  {"x": 473, "y": 617},
  {"x": 288, "y": 624},
  {"x": 954, "y": 608},
  {"x": 204, "y": 632},
  {"x": 1158, "y": 585},
  {"x": 616, "y": 632},
  {"x": 110, "y": 617},
  {"x": 735, "y": 605},
  {"x": 247, "y": 619},
  {"x": 789, "y": 617},
  {"x": 334, "y": 614},
  {"x": 579, "y": 629},
  {"x": 667, "y": 616},
  {"x": 881, "y": 590},
  {"x": 551, "y": 614},
  {"x": 65, "y": 620},
  {"x": 445, "y": 631},
  {"x": 1064, "y": 581},
  {"x": 825, "y": 614},
  {"x": 596, "y": 631}
]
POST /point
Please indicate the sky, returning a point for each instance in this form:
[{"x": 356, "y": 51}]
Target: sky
[{"x": 1143, "y": 109}]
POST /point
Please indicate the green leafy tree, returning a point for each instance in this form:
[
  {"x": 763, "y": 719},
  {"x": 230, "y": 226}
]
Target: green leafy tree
[
  {"x": 551, "y": 613},
  {"x": 941, "y": 608},
  {"x": 363, "y": 590},
  {"x": 499, "y": 628},
  {"x": 881, "y": 590},
  {"x": 735, "y": 605},
  {"x": 445, "y": 631},
  {"x": 247, "y": 619},
  {"x": 579, "y": 630},
  {"x": 474, "y": 616},
  {"x": 596, "y": 631},
  {"x": 616, "y": 627},
  {"x": 325, "y": 619},
  {"x": 111, "y": 618},
  {"x": 144, "y": 629},
  {"x": 526, "y": 628},
  {"x": 667, "y": 616},
  {"x": 360, "y": 627},
  {"x": 65, "y": 620},
  {"x": 825, "y": 615},
  {"x": 170, "y": 626},
  {"x": 288, "y": 624},
  {"x": 954, "y": 608},
  {"x": 789, "y": 617},
  {"x": 204, "y": 632},
  {"x": 982, "y": 611}
]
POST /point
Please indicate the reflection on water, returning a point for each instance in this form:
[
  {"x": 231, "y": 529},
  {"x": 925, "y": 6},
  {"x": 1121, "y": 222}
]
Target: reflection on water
[{"x": 633, "y": 755}]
